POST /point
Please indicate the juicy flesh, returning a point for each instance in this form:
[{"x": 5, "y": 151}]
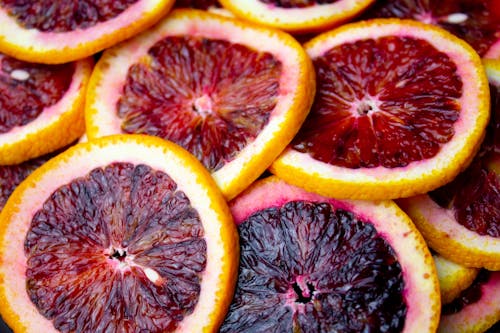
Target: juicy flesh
[
  {"x": 470, "y": 295},
  {"x": 474, "y": 195},
  {"x": 26, "y": 89},
  {"x": 209, "y": 96},
  {"x": 66, "y": 15},
  {"x": 200, "y": 4},
  {"x": 308, "y": 267},
  {"x": 384, "y": 102},
  {"x": 477, "y": 22},
  {"x": 297, "y": 3},
  {"x": 119, "y": 250}
]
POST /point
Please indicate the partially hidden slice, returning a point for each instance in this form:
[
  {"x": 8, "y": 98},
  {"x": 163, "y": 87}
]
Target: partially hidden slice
[
  {"x": 41, "y": 107},
  {"x": 232, "y": 93},
  {"x": 400, "y": 109},
  {"x": 297, "y": 16},
  {"x": 316, "y": 264},
  {"x": 475, "y": 21},
  {"x": 127, "y": 233},
  {"x": 56, "y": 32},
  {"x": 461, "y": 220}
]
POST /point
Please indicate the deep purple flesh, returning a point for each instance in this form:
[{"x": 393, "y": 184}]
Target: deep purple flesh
[
  {"x": 385, "y": 102},
  {"x": 308, "y": 267},
  {"x": 470, "y": 295},
  {"x": 119, "y": 215},
  {"x": 211, "y": 97},
  {"x": 480, "y": 26},
  {"x": 24, "y": 97},
  {"x": 297, "y": 3},
  {"x": 474, "y": 195},
  {"x": 66, "y": 15},
  {"x": 199, "y": 4}
]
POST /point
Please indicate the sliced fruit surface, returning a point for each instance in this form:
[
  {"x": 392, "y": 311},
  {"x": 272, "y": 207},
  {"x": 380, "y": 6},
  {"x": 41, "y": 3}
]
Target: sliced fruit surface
[
  {"x": 315, "y": 264},
  {"x": 41, "y": 107},
  {"x": 400, "y": 109},
  {"x": 199, "y": 4},
  {"x": 127, "y": 233},
  {"x": 476, "y": 309},
  {"x": 231, "y": 93},
  {"x": 476, "y": 22},
  {"x": 453, "y": 278},
  {"x": 56, "y": 32},
  {"x": 297, "y": 15},
  {"x": 461, "y": 220}
]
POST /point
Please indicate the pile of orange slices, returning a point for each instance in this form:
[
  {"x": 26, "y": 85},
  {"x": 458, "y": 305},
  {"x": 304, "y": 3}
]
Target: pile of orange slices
[{"x": 135, "y": 136}]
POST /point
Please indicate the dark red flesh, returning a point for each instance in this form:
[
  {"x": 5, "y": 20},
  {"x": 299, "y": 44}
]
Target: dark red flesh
[
  {"x": 308, "y": 267},
  {"x": 297, "y": 3},
  {"x": 200, "y": 4},
  {"x": 481, "y": 29},
  {"x": 22, "y": 101},
  {"x": 385, "y": 102},
  {"x": 209, "y": 96},
  {"x": 474, "y": 195},
  {"x": 470, "y": 295},
  {"x": 66, "y": 15},
  {"x": 118, "y": 215}
]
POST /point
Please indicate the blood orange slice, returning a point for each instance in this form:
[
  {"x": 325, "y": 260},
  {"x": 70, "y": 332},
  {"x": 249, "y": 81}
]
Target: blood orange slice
[
  {"x": 56, "y": 32},
  {"x": 400, "y": 109},
  {"x": 41, "y": 107},
  {"x": 315, "y": 264},
  {"x": 461, "y": 220},
  {"x": 297, "y": 16},
  {"x": 475, "y": 21},
  {"x": 231, "y": 93},
  {"x": 127, "y": 233}
]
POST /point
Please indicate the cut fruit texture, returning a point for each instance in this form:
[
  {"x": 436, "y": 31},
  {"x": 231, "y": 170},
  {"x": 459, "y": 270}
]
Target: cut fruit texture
[
  {"x": 232, "y": 93},
  {"x": 44, "y": 32},
  {"x": 64, "y": 243},
  {"x": 453, "y": 278},
  {"x": 42, "y": 107},
  {"x": 387, "y": 122},
  {"x": 288, "y": 234}
]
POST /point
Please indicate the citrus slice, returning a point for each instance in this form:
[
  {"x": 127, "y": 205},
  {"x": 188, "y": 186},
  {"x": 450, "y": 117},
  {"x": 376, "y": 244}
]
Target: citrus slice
[
  {"x": 453, "y": 278},
  {"x": 56, "y": 32},
  {"x": 475, "y": 21},
  {"x": 41, "y": 107},
  {"x": 297, "y": 16},
  {"x": 476, "y": 309},
  {"x": 127, "y": 233},
  {"x": 400, "y": 109},
  {"x": 231, "y": 93},
  {"x": 461, "y": 220},
  {"x": 315, "y": 264}
]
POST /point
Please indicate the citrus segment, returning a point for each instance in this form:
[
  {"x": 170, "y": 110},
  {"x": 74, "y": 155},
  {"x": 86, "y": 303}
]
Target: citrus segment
[
  {"x": 231, "y": 93},
  {"x": 126, "y": 234},
  {"x": 58, "y": 32},
  {"x": 400, "y": 109},
  {"x": 453, "y": 278},
  {"x": 297, "y": 16},
  {"x": 315, "y": 264},
  {"x": 41, "y": 107},
  {"x": 477, "y": 22}
]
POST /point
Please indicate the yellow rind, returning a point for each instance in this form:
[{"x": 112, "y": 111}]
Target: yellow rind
[{"x": 453, "y": 278}]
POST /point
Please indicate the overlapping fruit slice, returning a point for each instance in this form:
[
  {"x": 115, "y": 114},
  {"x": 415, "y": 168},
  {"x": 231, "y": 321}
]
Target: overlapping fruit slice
[
  {"x": 315, "y": 264},
  {"x": 475, "y": 21},
  {"x": 476, "y": 309},
  {"x": 231, "y": 93},
  {"x": 461, "y": 220},
  {"x": 56, "y": 32},
  {"x": 400, "y": 109},
  {"x": 41, "y": 107},
  {"x": 127, "y": 233},
  {"x": 297, "y": 15}
]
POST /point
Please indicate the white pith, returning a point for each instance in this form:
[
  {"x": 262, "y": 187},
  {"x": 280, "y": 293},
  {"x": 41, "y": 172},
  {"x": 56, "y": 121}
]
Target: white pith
[
  {"x": 15, "y": 34},
  {"x": 389, "y": 221},
  {"x": 12, "y": 269},
  {"x": 413, "y": 172},
  {"x": 52, "y": 114},
  {"x": 110, "y": 84}
]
